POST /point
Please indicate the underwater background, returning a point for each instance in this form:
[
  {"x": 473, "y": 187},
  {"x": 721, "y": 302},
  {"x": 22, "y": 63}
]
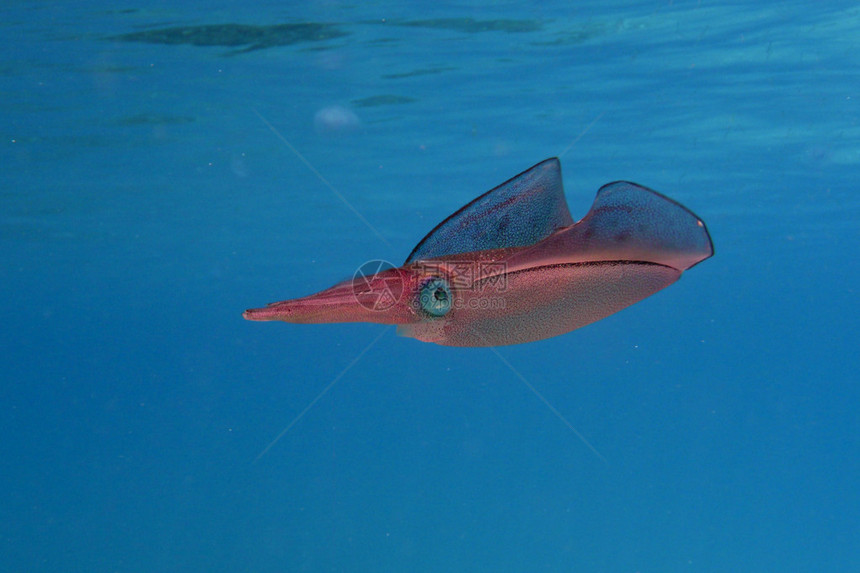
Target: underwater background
[{"x": 166, "y": 166}]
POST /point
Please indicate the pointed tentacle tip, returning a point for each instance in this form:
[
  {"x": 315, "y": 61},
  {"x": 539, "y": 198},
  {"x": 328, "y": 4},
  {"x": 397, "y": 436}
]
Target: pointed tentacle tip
[{"x": 257, "y": 314}]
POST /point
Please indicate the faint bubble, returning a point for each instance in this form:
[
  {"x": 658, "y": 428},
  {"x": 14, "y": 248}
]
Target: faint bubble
[
  {"x": 336, "y": 119},
  {"x": 238, "y": 165}
]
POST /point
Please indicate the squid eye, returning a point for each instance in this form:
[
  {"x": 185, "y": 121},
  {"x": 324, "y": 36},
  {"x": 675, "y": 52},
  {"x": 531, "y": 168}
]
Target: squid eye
[{"x": 435, "y": 297}]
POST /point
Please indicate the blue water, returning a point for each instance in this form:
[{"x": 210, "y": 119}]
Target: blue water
[{"x": 146, "y": 203}]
